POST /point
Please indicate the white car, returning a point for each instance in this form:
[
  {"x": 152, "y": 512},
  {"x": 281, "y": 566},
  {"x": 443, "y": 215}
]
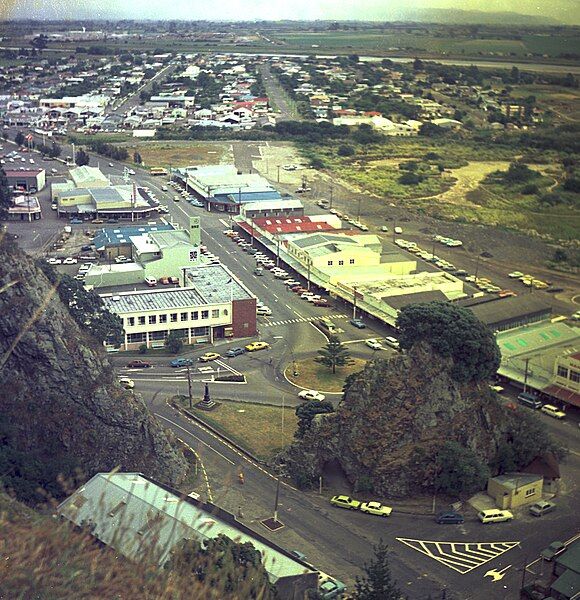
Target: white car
[
  {"x": 515, "y": 274},
  {"x": 121, "y": 259},
  {"x": 54, "y": 261},
  {"x": 398, "y": 230},
  {"x": 311, "y": 395},
  {"x": 127, "y": 383},
  {"x": 264, "y": 311},
  {"x": 553, "y": 411},
  {"x": 374, "y": 344},
  {"x": 111, "y": 165},
  {"x": 69, "y": 261},
  {"x": 306, "y": 295}
]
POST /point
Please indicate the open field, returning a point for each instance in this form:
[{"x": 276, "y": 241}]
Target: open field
[
  {"x": 263, "y": 430},
  {"x": 563, "y": 101},
  {"x": 315, "y": 376},
  {"x": 378, "y": 41},
  {"x": 181, "y": 154}
]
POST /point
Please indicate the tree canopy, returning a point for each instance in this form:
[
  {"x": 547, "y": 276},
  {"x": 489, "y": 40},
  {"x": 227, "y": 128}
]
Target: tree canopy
[
  {"x": 5, "y": 195},
  {"x": 306, "y": 413},
  {"x": 452, "y": 331},
  {"x": 459, "y": 470},
  {"x": 377, "y": 583},
  {"x": 334, "y": 354}
]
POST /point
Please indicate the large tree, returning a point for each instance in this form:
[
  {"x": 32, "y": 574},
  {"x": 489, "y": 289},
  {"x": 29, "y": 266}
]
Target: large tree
[
  {"x": 307, "y": 411},
  {"x": 377, "y": 583},
  {"x": 82, "y": 158},
  {"x": 452, "y": 331},
  {"x": 459, "y": 470},
  {"x": 334, "y": 354}
]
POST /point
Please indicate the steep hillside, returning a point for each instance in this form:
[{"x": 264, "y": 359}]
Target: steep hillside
[
  {"x": 58, "y": 395},
  {"x": 394, "y": 416}
]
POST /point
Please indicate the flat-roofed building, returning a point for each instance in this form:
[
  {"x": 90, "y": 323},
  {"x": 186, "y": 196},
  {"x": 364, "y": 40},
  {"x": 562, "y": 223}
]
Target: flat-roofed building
[
  {"x": 24, "y": 208},
  {"x": 144, "y": 520},
  {"x": 213, "y": 304},
  {"x": 88, "y": 177},
  {"x": 27, "y": 181}
]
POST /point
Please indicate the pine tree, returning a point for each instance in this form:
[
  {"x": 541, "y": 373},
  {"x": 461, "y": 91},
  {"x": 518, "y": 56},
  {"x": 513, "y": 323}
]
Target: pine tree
[
  {"x": 377, "y": 583},
  {"x": 334, "y": 354}
]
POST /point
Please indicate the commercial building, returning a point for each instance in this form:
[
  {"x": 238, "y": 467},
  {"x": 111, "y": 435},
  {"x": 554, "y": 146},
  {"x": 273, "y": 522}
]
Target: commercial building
[
  {"x": 283, "y": 207},
  {"x": 27, "y": 181},
  {"x": 212, "y": 304},
  {"x": 515, "y": 489},
  {"x": 88, "y": 177},
  {"x": 144, "y": 520},
  {"x": 24, "y": 208},
  {"x": 111, "y": 242},
  {"x": 542, "y": 357}
]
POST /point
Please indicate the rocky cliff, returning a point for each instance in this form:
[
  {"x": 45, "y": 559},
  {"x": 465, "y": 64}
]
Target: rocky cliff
[
  {"x": 393, "y": 417},
  {"x": 58, "y": 389}
]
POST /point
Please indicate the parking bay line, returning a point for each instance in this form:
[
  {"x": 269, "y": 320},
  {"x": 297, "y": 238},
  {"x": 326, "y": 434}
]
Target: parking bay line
[{"x": 194, "y": 436}]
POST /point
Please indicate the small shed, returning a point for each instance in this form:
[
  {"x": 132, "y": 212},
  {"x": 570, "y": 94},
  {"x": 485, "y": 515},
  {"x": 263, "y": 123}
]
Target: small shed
[
  {"x": 515, "y": 489},
  {"x": 547, "y": 466}
]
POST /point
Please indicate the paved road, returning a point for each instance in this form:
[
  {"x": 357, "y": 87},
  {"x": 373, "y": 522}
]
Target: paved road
[{"x": 278, "y": 95}]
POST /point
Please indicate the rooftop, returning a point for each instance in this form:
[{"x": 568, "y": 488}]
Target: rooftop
[
  {"x": 152, "y": 300},
  {"x": 506, "y": 309},
  {"x": 81, "y": 175},
  {"x": 113, "y": 236},
  {"x": 513, "y": 481},
  {"x": 154, "y": 517},
  {"x": 217, "y": 284},
  {"x": 22, "y": 172}
]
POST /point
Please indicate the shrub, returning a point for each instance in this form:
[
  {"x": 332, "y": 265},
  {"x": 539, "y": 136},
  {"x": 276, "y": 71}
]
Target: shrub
[
  {"x": 345, "y": 150},
  {"x": 530, "y": 189},
  {"x": 143, "y": 349}
]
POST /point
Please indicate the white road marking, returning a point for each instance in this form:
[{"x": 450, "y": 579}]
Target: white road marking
[
  {"x": 194, "y": 436},
  {"x": 460, "y": 556}
]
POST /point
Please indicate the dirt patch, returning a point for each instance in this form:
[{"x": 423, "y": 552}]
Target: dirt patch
[{"x": 182, "y": 154}]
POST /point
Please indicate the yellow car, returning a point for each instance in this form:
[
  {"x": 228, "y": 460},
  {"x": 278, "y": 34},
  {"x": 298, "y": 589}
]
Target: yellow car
[
  {"x": 376, "y": 508},
  {"x": 257, "y": 346},
  {"x": 539, "y": 285},
  {"x": 208, "y": 356}
]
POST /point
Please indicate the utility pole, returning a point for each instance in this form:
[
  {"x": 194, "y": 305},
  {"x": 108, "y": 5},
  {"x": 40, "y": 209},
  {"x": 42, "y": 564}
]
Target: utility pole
[
  {"x": 190, "y": 394},
  {"x": 308, "y": 274},
  {"x": 277, "y": 249},
  {"x": 527, "y": 361},
  {"x": 354, "y": 303},
  {"x": 183, "y": 270},
  {"x": 477, "y": 267},
  {"x": 331, "y": 193},
  {"x": 358, "y": 210},
  {"x": 73, "y": 153},
  {"x": 278, "y": 173}
]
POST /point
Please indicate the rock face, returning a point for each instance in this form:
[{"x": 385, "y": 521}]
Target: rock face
[
  {"x": 394, "y": 415},
  {"x": 58, "y": 389}
]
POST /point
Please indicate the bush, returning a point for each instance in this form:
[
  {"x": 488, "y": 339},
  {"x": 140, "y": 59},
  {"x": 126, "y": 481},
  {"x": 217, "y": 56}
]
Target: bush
[
  {"x": 459, "y": 470},
  {"x": 143, "y": 349},
  {"x": 173, "y": 342},
  {"x": 410, "y": 179},
  {"x": 344, "y": 150},
  {"x": 530, "y": 189}
]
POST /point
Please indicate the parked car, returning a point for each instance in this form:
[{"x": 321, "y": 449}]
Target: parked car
[
  {"x": 139, "y": 364},
  {"x": 392, "y": 342},
  {"x": 121, "y": 259},
  {"x": 75, "y": 221},
  {"x": 235, "y": 352},
  {"x": 163, "y": 280},
  {"x": 553, "y": 550},
  {"x": 345, "y": 502},
  {"x": 358, "y": 323},
  {"x": 255, "y": 346},
  {"x": 311, "y": 395},
  {"x": 530, "y": 400},
  {"x": 449, "y": 517},
  {"x": 374, "y": 344},
  {"x": 553, "y": 411},
  {"x": 174, "y": 280},
  {"x": 376, "y": 508},
  {"x": 54, "y": 261},
  {"x": 181, "y": 362},
  {"x": 127, "y": 383},
  {"x": 208, "y": 356},
  {"x": 263, "y": 311},
  {"x": 322, "y": 302},
  {"x": 494, "y": 515},
  {"x": 542, "y": 507},
  {"x": 151, "y": 281},
  {"x": 69, "y": 260},
  {"x": 331, "y": 588}
]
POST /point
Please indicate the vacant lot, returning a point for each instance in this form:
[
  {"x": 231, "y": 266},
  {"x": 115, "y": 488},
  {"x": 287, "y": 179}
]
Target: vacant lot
[{"x": 181, "y": 154}]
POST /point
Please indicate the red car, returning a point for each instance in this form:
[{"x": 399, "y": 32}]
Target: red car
[
  {"x": 299, "y": 290},
  {"x": 322, "y": 302},
  {"x": 139, "y": 364}
]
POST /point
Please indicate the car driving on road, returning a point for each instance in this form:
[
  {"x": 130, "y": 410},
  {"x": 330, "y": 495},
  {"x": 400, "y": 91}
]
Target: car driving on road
[
  {"x": 181, "y": 362},
  {"x": 345, "y": 502},
  {"x": 376, "y": 508},
  {"x": 209, "y": 356},
  {"x": 358, "y": 323},
  {"x": 139, "y": 364},
  {"x": 235, "y": 352},
  {"x": 255, "y": 346},
  {"x": 374, "y": 344},
  {"x": 311, "y": 395}
]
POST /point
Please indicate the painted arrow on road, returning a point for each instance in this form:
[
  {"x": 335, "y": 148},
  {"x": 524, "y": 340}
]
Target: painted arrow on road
[{"x": 497, "y": 575}]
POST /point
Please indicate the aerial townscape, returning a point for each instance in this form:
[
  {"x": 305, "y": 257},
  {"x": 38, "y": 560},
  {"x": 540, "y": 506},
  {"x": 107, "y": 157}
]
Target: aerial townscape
[{"x": 290, "y": 300}]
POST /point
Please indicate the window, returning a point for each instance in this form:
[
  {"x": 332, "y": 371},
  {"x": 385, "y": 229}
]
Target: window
[
  {"x": 163, "y": 318},
  {"x": 340, "y": 263},
  {"x": 157, "y": 335},
  {"x": 195, "y": 315},
  {"x": 575, "y": 376},
  {"x": 152, "y": 319},
  {"x": 205, "y": 314},
  {"x": 184, "y": 316},
  {"x": 530, "y": 492},
  {"x": 351, "y": 261},
  {"x": 330, "y": 263},
  {"x": 173, "y": 317},
  {"x": 131, "y": 321},
  {"x": 215, "y": 313},
  {"x": 136, "y": 338},
  {"x": 563, "y": 372},
  {"x": 141, "y": 320}
]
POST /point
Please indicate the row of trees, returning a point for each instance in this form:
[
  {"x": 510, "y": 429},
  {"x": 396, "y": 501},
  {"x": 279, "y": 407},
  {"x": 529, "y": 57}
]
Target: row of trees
[{"x": 109, "y": 150}]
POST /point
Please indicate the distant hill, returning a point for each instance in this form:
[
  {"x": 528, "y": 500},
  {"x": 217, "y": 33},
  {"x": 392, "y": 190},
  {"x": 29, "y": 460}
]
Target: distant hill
[{"x": 461, "y": 17}]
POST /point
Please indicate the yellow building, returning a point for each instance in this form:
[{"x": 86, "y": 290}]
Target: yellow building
[{"x": 515, "y": 489}]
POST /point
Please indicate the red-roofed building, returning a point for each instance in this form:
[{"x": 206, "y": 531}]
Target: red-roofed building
[
  {"x": 565, "y": 386},
  {"x": 26, "y": 180},
  {"x": 292, "y": 225}
]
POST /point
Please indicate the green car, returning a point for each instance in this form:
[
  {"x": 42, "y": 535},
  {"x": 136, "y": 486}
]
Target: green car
[{"x": 345, "y": 502}]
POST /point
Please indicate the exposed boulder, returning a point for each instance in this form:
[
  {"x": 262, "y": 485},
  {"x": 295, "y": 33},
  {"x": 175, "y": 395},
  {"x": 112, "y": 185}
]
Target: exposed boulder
[
  {"x": 394, "y": 416},
  {"x": 58, "y": 389}
]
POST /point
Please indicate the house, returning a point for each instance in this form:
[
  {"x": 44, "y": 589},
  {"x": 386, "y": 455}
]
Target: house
[
  {"x": 515, "y": 489},
  {"x": 143, "y": 519}
]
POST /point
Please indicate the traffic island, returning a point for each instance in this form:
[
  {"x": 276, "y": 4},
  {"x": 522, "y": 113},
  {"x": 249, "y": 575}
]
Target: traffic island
[{"x": 311, "y": 375}]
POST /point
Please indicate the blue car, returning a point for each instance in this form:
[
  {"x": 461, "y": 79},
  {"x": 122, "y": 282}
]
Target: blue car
[
  {"x": 76, "y": 222},
  {"x": 449, "y": 517},
  {"x": 235, "y": 352},
  {"x": 358, "y": 323},
  {"x": 181, "y": 362}
]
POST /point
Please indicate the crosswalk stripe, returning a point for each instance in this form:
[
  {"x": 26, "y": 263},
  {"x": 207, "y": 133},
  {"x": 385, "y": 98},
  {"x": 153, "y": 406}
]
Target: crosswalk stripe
[{"x": 301, "y": 320}]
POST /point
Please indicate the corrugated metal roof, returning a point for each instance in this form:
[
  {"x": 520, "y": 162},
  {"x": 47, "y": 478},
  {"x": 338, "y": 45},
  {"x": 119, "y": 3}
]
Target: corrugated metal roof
[
  {"x": 141, "y": 519},
  {"x": 114, "y": 236},
  {"x": 146, "y": 300}
]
